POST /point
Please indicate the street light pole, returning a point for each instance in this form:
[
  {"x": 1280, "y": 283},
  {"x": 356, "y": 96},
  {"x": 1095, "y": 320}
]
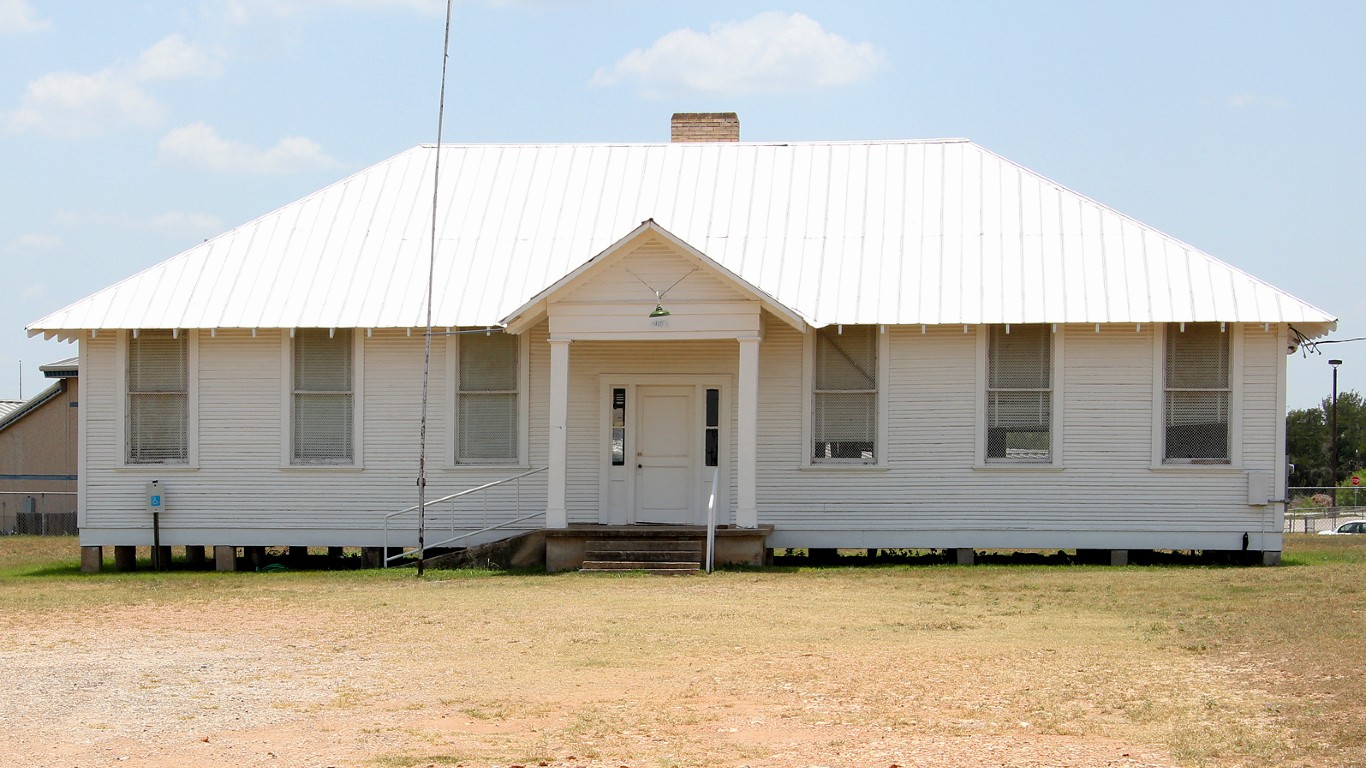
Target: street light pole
[{"x": 1333, "y": 433}]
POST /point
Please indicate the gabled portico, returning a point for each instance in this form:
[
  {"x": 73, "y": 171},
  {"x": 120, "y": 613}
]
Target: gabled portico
[{"x": 659, "y": 426}]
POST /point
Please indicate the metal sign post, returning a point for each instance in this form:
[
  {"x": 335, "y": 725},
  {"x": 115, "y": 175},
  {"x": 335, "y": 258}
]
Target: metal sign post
[{"x": 155, "y": 505}]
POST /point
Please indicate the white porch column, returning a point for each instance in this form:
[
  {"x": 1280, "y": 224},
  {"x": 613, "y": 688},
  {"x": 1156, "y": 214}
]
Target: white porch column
[
  {"x": 747, "y": 441},
  {"x": 556, "y": 512}
]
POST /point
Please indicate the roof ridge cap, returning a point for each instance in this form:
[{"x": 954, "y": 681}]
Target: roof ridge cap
[{"x": 771, "y": 143}]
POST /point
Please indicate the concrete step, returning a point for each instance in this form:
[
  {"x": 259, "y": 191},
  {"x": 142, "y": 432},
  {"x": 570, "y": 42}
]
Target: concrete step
[
  {"x": 652, "y": 555},
  {"x": 640, "y": 545},
  {"x": 658, "y": 567}
]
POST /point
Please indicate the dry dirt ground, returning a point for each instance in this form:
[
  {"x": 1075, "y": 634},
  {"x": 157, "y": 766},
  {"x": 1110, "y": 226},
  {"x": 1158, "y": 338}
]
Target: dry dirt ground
[
  {"x": 937, "y": 667},
  {"x": 144, "y": 688}
]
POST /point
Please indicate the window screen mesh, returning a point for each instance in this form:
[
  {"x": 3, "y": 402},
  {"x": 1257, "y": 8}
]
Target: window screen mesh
[
  {"x": 158, "y": 400},
  {"x": 1019, "y": 393},
  {"x": 846, "y": 361},
  {"x": 487, "y": 425},
  {"x": 844, "y": 400},
  {"x": 323, "y": 412},
  {"x": 487, "y": 401},
  {"x": 1197, "y": 392},
  {"x": 488, "y": 362}
]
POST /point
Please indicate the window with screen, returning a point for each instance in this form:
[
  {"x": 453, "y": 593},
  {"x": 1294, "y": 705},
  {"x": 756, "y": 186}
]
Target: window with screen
[
  {"x": 1197, "y": 393},
  {"x": 1019, "y": 408},
  {"x": 844, "y": 395},
  {"x": 323, "y": 408},
  {"x": 486, "y": 401},
  {"x": 158, "y": 398}
]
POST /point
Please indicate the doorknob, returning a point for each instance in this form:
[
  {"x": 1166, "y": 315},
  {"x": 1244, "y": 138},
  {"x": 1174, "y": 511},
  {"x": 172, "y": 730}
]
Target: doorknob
[{"x": 640, "y": 466}]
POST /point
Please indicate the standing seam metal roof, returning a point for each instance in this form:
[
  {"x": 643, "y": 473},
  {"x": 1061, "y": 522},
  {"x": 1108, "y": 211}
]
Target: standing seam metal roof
[{"x": 892, "y": 232}]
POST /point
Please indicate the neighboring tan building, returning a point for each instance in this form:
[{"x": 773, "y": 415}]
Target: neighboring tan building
[{"x": 39, "y": 451}]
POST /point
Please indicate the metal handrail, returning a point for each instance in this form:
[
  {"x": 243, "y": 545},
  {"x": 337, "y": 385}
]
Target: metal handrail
[
  {"x": 485, "y": 529},
  {"x": 451, "y": 497},
  {"x": 711, "y": 521}
]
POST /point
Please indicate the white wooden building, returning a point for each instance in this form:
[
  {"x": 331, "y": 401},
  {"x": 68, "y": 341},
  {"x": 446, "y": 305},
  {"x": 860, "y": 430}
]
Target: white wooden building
[{"x": 883, "y": 344}]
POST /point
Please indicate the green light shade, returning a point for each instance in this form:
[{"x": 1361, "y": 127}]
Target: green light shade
[{"x": 659, "y": 311}]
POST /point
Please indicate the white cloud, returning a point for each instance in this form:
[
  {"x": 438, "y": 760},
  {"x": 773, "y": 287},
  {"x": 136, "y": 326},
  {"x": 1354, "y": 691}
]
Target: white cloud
[
  {"x": 33, "y": 242},
  {"x": 17, "y": 16},
  {"x": 172, "y": 224},
  {"x": 172, "y": 59},
  {"x": 771, "y": 52},
  {"x": 76, "y": 105},
  {"x": 200, "y": 147},
  {"x": 1250, "y": 100},
  {"x": 536, "y": 5},
  {"x": 244, "y": 11},
  {"x": 180, "y": 224},
  {"x": 72, "y": 105}
]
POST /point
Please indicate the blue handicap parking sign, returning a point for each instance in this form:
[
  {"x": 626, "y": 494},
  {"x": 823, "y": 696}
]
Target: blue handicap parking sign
[{"x": 156, "y": 500}]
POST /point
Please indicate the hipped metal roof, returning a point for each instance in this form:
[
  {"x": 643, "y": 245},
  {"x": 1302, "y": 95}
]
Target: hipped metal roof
[{"x": 889, "y": 232}]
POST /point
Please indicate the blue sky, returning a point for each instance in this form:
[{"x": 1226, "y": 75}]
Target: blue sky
[{"x": 130, "y": 131}]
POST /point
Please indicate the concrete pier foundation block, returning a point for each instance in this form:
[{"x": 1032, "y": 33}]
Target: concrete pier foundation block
[
  {"x": 371, "y": 557},
  {"x": 161, "y": 557},
  {"x": 963, "y": 556},
  {"x": 125, "y": 558},
  {"x": 1271, "y": 558},
  {"x": 224, "y": 558},
  {"x": 1119, "y": 557},
  {"x": 92, "y": 559}
]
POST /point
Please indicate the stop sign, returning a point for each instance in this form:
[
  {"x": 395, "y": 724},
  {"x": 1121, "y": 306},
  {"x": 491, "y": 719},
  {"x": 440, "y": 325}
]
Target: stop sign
[{"x": 1356, "y": 480}]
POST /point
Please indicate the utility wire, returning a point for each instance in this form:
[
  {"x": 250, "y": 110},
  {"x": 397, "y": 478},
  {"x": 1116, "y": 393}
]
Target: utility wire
[{"x": 1308, "y": 345}]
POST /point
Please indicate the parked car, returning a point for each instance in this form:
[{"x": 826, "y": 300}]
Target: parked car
[{"x": 1351, "y": 526}]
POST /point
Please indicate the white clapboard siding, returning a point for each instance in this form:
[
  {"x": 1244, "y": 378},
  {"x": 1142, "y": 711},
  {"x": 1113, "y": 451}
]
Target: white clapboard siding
[
  {"x": 1263, "y": 362},
  {"x": 240, "y": 487},
  {"x": 615, "y": 301},
  {"x": 931, "y": 493},
  {"x": 659, "y": 265}
]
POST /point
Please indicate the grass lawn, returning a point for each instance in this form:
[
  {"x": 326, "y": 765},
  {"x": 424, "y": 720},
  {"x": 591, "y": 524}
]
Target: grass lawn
[{"x": 878, "y": 666}]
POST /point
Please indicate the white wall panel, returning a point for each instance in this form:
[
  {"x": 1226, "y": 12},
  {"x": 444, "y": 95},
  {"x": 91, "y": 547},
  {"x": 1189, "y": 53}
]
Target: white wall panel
[{"x": 1106, "y": 494}]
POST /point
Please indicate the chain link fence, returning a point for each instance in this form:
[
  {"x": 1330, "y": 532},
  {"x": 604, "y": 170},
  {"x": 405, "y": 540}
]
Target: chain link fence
[
  {"x": 1323, "y": 508},
  {"x": 38, "y": 513}
]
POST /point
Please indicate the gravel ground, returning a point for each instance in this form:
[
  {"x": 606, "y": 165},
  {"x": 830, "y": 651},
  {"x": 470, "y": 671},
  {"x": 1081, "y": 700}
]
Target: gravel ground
[{"x": 156, "y": 686}]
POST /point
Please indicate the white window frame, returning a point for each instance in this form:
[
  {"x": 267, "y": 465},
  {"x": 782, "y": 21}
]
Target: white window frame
[
  {"x": 1057, "y": 334},
  {"x": 1234, "y": 462},
  {"x": 357, "y": 404},
  {"x": 451, "y": 444},
  {"x": 884, "y": 335},
  {"x": 192, "y": 402}
]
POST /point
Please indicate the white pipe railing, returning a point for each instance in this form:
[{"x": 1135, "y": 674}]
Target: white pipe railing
[
  {"x": 451, "y": 498},
  {"x": 711, "y": 520}
]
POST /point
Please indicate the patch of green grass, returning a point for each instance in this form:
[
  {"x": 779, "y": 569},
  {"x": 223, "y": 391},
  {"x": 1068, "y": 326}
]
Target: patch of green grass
[
  {"x": 408, "y": 760},
  {"x": 20, "y": 555}
]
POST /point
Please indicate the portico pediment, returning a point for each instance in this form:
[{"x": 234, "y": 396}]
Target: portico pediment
[{"x": 651, "y": 285}]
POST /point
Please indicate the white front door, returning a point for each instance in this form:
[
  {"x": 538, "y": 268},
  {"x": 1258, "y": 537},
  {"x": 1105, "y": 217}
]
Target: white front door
[{"x": 665, "y": 438}]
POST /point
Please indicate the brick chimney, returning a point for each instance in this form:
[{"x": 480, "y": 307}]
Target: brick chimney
[{"x": 705, "y": 126}]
